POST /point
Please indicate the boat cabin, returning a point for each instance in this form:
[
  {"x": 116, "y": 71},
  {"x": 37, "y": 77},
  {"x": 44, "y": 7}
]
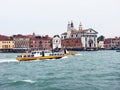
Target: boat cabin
[
  {"x": 25, "y": 56},
  {"x": 46, "y": 53}
]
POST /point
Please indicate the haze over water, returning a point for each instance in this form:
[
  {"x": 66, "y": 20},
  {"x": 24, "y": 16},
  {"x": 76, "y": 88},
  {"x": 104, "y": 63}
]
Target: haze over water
[{"x": 98, "y": 70}]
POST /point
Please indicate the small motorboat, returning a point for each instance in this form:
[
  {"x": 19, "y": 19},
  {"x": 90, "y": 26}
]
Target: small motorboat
[{"x": 117, "y": 50}]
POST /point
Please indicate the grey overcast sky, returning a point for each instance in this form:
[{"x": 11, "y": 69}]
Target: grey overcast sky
[{"x": 51, "y": 16}]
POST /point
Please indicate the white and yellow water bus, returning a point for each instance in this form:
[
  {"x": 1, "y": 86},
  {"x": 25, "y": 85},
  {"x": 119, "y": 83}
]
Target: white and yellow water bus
[{"x": 43, "y": 54}]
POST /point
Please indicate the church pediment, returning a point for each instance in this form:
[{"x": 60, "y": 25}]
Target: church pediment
[{"x": 90, "y": 30}]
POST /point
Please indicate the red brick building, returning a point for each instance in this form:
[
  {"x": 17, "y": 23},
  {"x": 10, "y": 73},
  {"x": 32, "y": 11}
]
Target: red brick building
[
  {"x": 74, "y": 43},
  {"x": 46, "y": 42},
  {"x": 40, "y": 42},
  {"x": 34, "y": 42},
  {"x": 111, "y": 43}
]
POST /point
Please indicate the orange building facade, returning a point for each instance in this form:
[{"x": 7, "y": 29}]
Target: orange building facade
[{"x": 112, "y": 43}]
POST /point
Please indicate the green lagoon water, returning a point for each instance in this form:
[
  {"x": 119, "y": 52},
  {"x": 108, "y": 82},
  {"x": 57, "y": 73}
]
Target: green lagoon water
[{"x": 97, "y": 70}]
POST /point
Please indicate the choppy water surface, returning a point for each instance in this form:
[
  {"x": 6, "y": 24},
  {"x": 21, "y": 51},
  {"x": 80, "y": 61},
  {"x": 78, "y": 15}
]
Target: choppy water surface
[{"x": 97, "y": 70}]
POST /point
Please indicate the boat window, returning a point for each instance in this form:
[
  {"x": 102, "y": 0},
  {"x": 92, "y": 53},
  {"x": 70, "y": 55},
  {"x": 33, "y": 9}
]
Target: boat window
[
  {"x": 33, "y": 52},
  {"x": 40, "y": 53},
  {"x": 28, "y": 55},
  {"x": 19, "y": 56},
  {"x": 24, "y": 55}
]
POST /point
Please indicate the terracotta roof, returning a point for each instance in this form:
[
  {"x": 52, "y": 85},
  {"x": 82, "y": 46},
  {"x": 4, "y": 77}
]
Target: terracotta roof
[
  {"x": 75, "y": 32},
  {"x": 29, "y": 36},
  {"x": 39, "y": 37},
  {"x": 112, "y": 39},
  {"x": 5, "y": 38},
  {"x": 78, "y": 31},
  {"x": 19, "y": 36}
]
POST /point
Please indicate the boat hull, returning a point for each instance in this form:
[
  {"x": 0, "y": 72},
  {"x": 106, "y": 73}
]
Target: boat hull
[
  {"x": 26, "y": 59},
  {"x": 50, "y": 57},
  {"x": 39, "y": 58}
]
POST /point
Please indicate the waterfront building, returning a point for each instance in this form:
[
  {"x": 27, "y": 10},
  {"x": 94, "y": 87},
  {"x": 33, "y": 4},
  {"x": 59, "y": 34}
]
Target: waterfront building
[
  {"x": 56, "y": 42},
  {"x": 46, "y": 42},
  {"x": 111, "y": 43},
  {"x": 6, "y": 42},
  {"x": 101, "y": 45},
  {"x": 86, "y": 38},
  {"x": 34, "y": 42},
  {"x": 72, "y": 43},
  {"x": 40, "y": 42},
  {"x": 21, "y": 42}
]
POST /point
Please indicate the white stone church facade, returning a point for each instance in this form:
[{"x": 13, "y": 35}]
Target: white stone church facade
[{"x": 88, "y": 37}]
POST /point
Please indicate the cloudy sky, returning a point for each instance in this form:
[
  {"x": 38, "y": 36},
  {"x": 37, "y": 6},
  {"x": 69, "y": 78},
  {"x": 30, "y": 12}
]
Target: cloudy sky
[{"x": 51, "y": 16}]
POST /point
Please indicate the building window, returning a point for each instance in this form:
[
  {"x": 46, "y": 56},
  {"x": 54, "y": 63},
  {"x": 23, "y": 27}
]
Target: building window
[
  {"x": 76, "y": 35},
  {"x": 85, "y": 44},
  {"x": 56, "y": 41},
  {"x": 72, "y": 35},
  {"x": 85, "y": 38},
  {"x": 94, "y": 44}
]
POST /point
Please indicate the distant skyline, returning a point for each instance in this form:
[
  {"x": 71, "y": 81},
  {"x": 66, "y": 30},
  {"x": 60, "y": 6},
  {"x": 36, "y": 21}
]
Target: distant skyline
[{"x": 50, "y": 17}]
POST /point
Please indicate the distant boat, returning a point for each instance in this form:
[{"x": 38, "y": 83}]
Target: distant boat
[{"x": 117, "y": 50}]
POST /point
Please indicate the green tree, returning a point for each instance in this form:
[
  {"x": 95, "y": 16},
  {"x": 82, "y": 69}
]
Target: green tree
[{"x": 100, "y": 38}]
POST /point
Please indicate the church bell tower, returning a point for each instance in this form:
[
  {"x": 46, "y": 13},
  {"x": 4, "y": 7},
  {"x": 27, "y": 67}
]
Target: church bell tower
[{"x": 80, "y": 26}]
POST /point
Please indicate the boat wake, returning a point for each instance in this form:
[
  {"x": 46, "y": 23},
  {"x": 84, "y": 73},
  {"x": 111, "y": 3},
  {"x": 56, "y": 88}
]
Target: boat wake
[
  {"x": 8, "y": 60},
  {"x": 64, "y": 57},
  {"x": 78, "y": 54}
]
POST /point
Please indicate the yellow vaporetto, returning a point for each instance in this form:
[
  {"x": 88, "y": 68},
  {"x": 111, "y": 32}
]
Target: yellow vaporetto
[{"x": 43, "y": 54}]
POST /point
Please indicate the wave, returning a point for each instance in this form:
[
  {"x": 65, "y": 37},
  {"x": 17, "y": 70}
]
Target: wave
[
  {"x": 8, "y": 60},
  {"x": 29, "y": 81}
]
